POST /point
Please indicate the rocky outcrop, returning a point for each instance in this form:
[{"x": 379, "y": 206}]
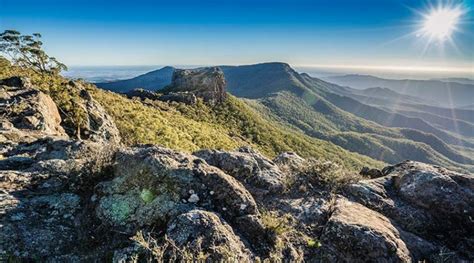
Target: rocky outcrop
[
  {"x": 83, "y": 200},
  {"x": 372, "y": 237},
  {"x": 44, "y": 179},
  {"x": 371, "y": 173},
  {"x": 27, "y": 114},
  {"x": 429, "y": 201},
  {"x": 206, "y": 83},
  {"x": 99, "y": 126},
  {"x": 260, "y": 174},
  {"x": 206, "y": 234}
]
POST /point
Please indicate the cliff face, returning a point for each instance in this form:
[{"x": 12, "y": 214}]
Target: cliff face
[
  {"x": 68, "y": 200},
  {"x": 206, "y": 83}
]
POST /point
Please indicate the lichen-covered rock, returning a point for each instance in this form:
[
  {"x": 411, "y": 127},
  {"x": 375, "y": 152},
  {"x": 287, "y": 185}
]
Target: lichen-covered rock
[
  {"x": 355, "y": 233},
  {"x": 206, "y": 83},
  {"x": 154, "y": 184},
  {"x": 248, "y": 166},
  {"x": 38, "y": 226},
  {"x": 208, "y": 237},
  {"x": 438, "y": 190}
]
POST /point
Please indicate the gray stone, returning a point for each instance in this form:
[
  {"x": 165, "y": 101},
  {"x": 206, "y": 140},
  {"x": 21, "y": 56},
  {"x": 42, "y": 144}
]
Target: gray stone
[
  {"x": 249, "y": 167},
  {"x": 205, "y": 233},
  {"x": 206, "y": 83}
]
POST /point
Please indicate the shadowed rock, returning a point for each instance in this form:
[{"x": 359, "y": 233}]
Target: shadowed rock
[
  {"x": 142, "y": 94},
  {"x": 182, "y": 97}
]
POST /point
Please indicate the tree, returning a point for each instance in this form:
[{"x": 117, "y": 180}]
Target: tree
[{"x": 26, "y": 51}]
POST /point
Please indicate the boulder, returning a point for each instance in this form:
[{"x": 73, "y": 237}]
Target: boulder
[
  {"x": 204, "y": 234},
  {"x": 355, "y": 233},
  {"x": 431, "y": 202},
  {"x": 438, "y": 190},
  {"x": 28, "y": 114},
  {"x": 257, "y": 172},
  {"x": 206, "y": 83},
  {"x": 289, "y": 159}
]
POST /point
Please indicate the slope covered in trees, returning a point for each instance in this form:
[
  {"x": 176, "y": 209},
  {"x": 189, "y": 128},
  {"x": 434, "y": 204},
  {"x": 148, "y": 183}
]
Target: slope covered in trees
[
  {"x": 329, "y": 112},
  {"x": 189, "y": 127}
]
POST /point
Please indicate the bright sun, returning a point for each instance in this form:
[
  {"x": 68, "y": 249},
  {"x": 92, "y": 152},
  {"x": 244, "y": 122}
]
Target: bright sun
[{"x": 440, "y": 23}]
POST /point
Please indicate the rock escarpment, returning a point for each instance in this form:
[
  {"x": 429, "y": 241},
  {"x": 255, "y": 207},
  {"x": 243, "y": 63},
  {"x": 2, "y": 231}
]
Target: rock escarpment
[
  {"x": 70, "y": 200},
  {"x": 206, "y": 83}
]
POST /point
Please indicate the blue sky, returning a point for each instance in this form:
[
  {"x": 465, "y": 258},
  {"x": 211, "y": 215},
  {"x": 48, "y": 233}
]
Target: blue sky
[{"x": 368, "y": 33}]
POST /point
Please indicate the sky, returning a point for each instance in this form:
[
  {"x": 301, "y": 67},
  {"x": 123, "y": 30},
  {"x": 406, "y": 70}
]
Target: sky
[{"x": 332, "y": 34}]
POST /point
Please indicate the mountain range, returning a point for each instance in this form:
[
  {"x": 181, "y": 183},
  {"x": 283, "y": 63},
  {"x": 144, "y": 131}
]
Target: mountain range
[
  {"x": 382, "y": 123},
  {"x": 451, "y": 92}
]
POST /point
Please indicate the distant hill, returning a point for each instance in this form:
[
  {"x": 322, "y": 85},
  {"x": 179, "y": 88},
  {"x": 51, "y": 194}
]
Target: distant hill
[
  {"x": 446, "y": 94},
  {"x": 458, "y": 80},
  {"x": 153, "y": 80},
  {"x": 467, "y": 107},
  {"x": 251, "y": 81},
  {"x": 353, "y": 119}
]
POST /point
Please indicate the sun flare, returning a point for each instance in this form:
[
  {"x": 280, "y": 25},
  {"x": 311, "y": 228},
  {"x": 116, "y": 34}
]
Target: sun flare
[{"x": 441, "y": 22}]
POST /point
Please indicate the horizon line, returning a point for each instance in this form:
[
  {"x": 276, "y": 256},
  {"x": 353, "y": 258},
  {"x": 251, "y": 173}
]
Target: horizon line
[{"x": 392, "y": 68}]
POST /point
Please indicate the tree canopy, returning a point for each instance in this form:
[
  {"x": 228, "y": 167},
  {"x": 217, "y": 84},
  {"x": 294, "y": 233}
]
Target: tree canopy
[{"x": 27, "y": 51}]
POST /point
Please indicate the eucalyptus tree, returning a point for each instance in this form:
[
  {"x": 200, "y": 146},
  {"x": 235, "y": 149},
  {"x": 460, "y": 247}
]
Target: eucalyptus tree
[{"x": 26, "y": 51}]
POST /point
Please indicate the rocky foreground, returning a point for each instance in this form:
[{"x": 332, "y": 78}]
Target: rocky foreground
[{"x": 92, "y": 199}]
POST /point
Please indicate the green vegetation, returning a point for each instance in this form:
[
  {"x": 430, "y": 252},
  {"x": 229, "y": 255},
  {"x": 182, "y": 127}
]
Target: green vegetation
[
  {"x": 160, "y": 123},
  {"x": 277, "y": 224},
  {"x": 226, "y": 126},
  {"x": 316, "y": 117},
  {"x": 313, "y": 243},
  {"x": 187, "y": 128}
]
